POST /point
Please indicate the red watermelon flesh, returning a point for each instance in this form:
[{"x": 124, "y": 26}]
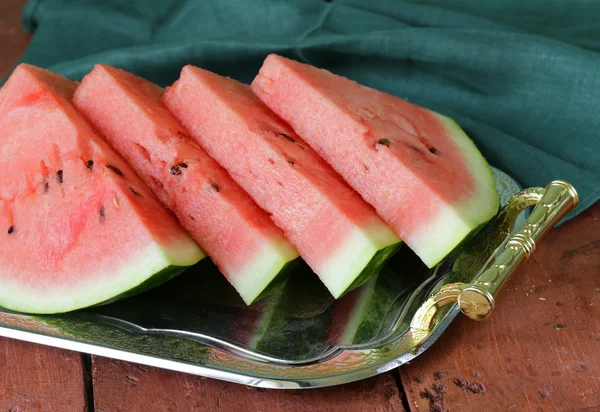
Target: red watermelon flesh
[
  {"x": 237, "y": 234},
  {"x": 417, "y": 168},
  {"x": 78, "y": 226},
  {"x": 338, "y": 234}
]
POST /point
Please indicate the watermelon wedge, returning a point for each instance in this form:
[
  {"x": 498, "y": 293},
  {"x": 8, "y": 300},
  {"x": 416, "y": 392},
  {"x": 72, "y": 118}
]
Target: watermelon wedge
[
  {"x": 419, "y": 170},
  {"x": 336, "y": 232},
  {"x": 78, "y": 226},
  {"x": 238, "y": 235}
]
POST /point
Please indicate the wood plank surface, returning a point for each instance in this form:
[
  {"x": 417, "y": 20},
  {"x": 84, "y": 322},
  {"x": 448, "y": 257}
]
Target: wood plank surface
[
  {"x": 540, "y": 351},
  {"x": 122, "y": 386},
  {"x": 39, "y": 378}
]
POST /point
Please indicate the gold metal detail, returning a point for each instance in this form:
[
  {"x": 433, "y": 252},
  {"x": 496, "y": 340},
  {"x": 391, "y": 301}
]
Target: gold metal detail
[{"x": 477, "y": 300}]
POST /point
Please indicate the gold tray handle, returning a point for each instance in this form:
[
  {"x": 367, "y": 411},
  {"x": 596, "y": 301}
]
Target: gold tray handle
[{"x": 477, "y": 300}]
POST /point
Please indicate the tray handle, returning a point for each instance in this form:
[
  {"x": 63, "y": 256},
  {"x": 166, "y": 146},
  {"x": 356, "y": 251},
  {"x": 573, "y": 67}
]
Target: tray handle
[{"x": 478, "y": 299}]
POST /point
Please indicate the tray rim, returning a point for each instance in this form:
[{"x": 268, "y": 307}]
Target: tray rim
[
  {"x": 213, "y": 371},
  {"x": 368, "y": 368}
]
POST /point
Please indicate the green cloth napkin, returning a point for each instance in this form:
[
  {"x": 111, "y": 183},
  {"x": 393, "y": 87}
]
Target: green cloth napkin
[{"x": 522, "y": 77}]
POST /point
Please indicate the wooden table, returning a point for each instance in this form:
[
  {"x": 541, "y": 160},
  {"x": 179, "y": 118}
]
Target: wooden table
[{"x": 539, "y": 352}]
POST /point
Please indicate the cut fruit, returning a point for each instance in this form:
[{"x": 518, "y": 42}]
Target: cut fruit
[
  {"x": 247, "y": 247},
  {"x": 419, "y": 170},
  {"x": 78, "y": 226},
  {"x": 336, "y": 232}
]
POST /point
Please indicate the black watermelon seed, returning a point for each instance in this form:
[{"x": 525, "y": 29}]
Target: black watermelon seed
[
  {"x": 175, "y": 170},
  {"x": 192, "y": 217},
  {"x": 11, "y": 229},
  {"x": 90, "y": 165},
  {"x": 102, "y": 213},
  {"x": 291, "y": 162},
  {"x": 46, "y": 184},
  {"x": 286, "y": 137},
  {"x": 384, "y": 142},
  {"x": 184, "y": 165},
  {"x": 135, "y": 192},
  {"x": 433, "y": 150},
  {"x": 115, "y": 169},
  {"x": 59, "y": 176},
  {"x": 215, "y": 186}
]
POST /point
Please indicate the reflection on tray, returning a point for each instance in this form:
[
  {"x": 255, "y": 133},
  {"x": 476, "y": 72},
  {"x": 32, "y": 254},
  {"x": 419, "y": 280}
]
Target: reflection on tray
[
  {"x": 197, "y": 322},
  {"x": 298, "y": 321}
]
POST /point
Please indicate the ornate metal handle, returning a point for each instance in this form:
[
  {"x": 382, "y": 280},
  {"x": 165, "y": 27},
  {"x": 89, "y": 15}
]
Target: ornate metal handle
[{"x": 477, "y": 300}]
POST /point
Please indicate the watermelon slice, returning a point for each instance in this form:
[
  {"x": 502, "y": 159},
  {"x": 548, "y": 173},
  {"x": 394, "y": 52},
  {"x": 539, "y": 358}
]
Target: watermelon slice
[
  {"x": 78, "y": 226},
  {"x": 238, "y": 235},
  {"x": 419, "y": 170},
  {"x": 337, "y": 233}
]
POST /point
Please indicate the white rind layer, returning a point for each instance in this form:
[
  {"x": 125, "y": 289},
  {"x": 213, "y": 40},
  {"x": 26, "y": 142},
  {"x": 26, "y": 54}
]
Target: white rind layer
[
  {"x": 354, "y": 255},
  {"x": 253, "y": 279},
  {"x": 436, "y": 239},
  {"x": 101, "y": 286}
]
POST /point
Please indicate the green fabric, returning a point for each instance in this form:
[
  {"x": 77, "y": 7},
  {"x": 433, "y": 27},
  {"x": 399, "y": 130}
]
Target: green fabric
[{"x": 522, "y": 77}]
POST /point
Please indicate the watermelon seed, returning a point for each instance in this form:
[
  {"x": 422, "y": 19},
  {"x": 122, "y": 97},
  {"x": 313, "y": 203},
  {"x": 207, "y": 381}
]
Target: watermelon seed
[
  {"x": 102, "y": 213},
  {"x": 433, "y": 150},
  {"x": 144, "y": 152},
  {"x": 135, "y": 192},
  {"x": 46, "y": 184},
  {"x": 286, "y": 137},
  {"x": 115, "y": 169},
  {"x": 90, "y": 165},
  {"x": 116, "y": 202},
  {"x": 11, "y": 229},
  {"x": 214, "y": 186},
  {"x": 384, "y": 142},
  {"x": 291, "y": 162},
  {"x": 366, "y": 167},
  {"x": 175, "y": 170},
  {"x": 59, "y": 176},
  {"x": 192, "y": 217},
  {"x": 184, "y": 165}
]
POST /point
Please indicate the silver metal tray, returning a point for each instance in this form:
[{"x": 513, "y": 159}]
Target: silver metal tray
[{"x": 299, "y": 336}]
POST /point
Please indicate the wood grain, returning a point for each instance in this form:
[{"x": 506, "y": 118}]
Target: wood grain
[
  {"x": 39, "y": 378},
  {"x": 13, "y": 39},
  {"x": 122, "y": 386},
  {"x": 540, "y": 351}
]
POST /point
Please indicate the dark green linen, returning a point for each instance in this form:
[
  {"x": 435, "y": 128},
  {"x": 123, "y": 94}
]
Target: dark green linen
[{"x": 523, "y": 78}]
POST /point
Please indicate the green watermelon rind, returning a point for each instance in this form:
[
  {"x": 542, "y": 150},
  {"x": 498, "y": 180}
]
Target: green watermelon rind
[
  {"x": 363, "y": 252},
  {"x": 276, "y": 282},
  {"x": 257, "y": 278},
  {"x": 152, "y": 267},
  {"x": 466, "y": 218},
  {"x": 155, "y": 280},
  {"x": 372, "y": 269}
]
